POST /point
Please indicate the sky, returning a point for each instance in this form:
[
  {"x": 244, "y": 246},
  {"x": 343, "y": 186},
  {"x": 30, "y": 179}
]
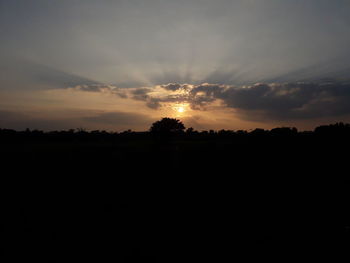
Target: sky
[{"x": 118, "y": 65}]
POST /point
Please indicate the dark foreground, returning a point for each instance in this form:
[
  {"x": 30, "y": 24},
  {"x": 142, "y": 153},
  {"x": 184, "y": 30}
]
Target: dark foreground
[{"x": 137, "y": 197}]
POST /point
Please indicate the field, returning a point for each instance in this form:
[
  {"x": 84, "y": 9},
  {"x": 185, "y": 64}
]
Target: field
[{"x": 143, "y": 197}]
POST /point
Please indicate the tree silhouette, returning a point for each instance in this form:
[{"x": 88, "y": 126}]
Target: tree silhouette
[{"x": 167, "y": 126}]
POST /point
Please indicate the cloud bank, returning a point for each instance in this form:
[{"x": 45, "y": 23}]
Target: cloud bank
[{"x": 261, "y": 101}]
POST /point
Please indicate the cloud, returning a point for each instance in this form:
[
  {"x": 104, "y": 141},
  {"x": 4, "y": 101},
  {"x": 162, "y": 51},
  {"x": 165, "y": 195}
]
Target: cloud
[
  {"x": 274, "y": 101},
  {"x": 261, "y": 101},
  {"x": 174, "y": 86},
  {"x": 284, "y": 101},
  {"x": 141, "y": 93},
  {"x": 153, "y": 104},
  {"x": 153, "y": 97},
  {"x": 101, "y": 88},
  {"x": 93, "y": 88}
]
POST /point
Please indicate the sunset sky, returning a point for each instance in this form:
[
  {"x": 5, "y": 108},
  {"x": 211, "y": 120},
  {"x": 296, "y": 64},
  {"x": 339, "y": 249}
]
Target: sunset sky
[{"x": 223, "y": 64}]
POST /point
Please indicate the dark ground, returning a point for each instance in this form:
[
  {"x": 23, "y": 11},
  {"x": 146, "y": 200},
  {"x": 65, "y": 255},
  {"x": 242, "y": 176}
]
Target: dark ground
[{"x": 136, "y": 197}]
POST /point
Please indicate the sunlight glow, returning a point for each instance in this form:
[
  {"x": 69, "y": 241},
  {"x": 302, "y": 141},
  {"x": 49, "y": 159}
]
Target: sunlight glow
[{"x": 181, "y": 109}]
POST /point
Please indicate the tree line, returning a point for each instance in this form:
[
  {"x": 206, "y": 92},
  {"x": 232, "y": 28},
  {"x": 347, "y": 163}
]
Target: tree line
[{"x": 174, "y": 127}]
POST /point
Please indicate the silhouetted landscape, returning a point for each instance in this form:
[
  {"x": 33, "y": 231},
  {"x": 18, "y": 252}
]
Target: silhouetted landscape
[
  {"x": 175, "y": 131},
  {"x": 174, "y": 194}
]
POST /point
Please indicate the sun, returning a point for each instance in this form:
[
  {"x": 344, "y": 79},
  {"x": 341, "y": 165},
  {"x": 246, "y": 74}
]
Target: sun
[{"x": 180, "y": 109}]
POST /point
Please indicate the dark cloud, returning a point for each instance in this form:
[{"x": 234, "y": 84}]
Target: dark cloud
[
  {"x": 156, "y": 103},
  {"x": 261, "y": 101},
  {"x": 172, "y": 86},
  {"x": 209, "y": 90},
  {"x": 144, "y": 94},
  {"x": 153, "y": 104},
  {"x": 102, "y": 88},
  {"x": 130, "y": 84},
  {"x": 269, "y": 97},
  {"x": 285, "y": 101},
  {"x": 91, "y": 88},
  {"x": 141, "y": 94}
]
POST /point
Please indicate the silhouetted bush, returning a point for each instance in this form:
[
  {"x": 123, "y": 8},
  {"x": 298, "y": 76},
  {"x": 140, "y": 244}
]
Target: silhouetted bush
[{"x": 167, "y": 126}]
